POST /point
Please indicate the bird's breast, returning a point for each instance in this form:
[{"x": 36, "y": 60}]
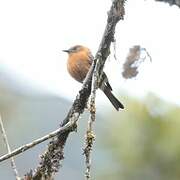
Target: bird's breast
[{"x": 78, "y": 66}]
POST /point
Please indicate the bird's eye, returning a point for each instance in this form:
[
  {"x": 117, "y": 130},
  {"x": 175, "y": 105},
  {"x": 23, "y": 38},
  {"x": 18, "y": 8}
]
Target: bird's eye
[{"x": 76, "y": 48}]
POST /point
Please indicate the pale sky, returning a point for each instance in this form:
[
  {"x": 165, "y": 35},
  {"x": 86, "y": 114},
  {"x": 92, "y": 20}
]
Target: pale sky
[{"x": 33, "y": 33}]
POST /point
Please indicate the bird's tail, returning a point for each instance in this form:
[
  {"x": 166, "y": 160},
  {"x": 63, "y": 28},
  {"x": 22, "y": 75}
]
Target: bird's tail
[{"x": 115, "y": 102}]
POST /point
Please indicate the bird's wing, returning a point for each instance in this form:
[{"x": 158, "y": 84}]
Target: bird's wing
[
  {"x": 104, "y": 77},
  {"x": 91, "y": 58},
  {"x": 105, "y": 81}
]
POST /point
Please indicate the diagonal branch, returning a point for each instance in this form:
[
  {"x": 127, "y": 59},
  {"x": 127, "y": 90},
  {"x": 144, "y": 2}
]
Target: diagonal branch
[
  {"x": 25, "y": 147},
  {"x": 50, "y": 160},
  {"x": 13, "y": 164}
]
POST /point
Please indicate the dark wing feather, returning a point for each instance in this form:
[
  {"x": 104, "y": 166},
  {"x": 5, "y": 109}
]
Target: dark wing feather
[{"x": 91, "y": 58}]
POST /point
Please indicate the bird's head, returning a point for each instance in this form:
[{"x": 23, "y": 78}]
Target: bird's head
[{"x": 75, "y": 49}]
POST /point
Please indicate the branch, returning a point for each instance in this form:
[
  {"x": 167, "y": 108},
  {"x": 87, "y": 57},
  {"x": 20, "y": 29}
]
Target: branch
[
  {"x": 13, "y": 164},
  {"x": 171, "y": 2},
  {"x": 90, "y": 137},
  {"x": 50, "y": 160},
  {"x": 25, "y": 147}
]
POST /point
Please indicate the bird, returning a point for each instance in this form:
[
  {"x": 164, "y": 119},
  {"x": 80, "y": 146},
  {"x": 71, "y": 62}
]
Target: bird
[{"x": 79, "y": 62}]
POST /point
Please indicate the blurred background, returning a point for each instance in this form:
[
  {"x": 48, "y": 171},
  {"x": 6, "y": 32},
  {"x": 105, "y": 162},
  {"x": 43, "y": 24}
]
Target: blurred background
[{"x": 36, "y": 92}]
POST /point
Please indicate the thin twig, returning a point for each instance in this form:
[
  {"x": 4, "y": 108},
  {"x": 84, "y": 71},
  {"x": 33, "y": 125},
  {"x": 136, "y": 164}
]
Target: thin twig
[
  {"x": 35, "y": 142},
  {"x": 13, "y": 164},
  {"x": 90, "y": 137},
  {"x": 147, "y": 53}
]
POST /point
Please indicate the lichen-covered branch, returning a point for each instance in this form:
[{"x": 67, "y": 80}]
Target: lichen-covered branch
[
  {"x": 90, "y": 137},
  {"x": 30, "y": 145},
  {"x": 50, "y": 160}
]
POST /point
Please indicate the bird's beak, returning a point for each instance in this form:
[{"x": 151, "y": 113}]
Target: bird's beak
[{"x": 66, "y": 51}]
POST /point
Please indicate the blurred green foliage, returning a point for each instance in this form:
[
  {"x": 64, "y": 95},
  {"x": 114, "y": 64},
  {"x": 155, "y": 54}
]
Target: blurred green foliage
[{"x": 143, "y": 141}]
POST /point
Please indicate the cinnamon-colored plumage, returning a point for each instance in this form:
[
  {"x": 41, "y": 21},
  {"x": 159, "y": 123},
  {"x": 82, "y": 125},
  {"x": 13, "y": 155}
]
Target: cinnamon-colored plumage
[{"x": 78, "y": 64}]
